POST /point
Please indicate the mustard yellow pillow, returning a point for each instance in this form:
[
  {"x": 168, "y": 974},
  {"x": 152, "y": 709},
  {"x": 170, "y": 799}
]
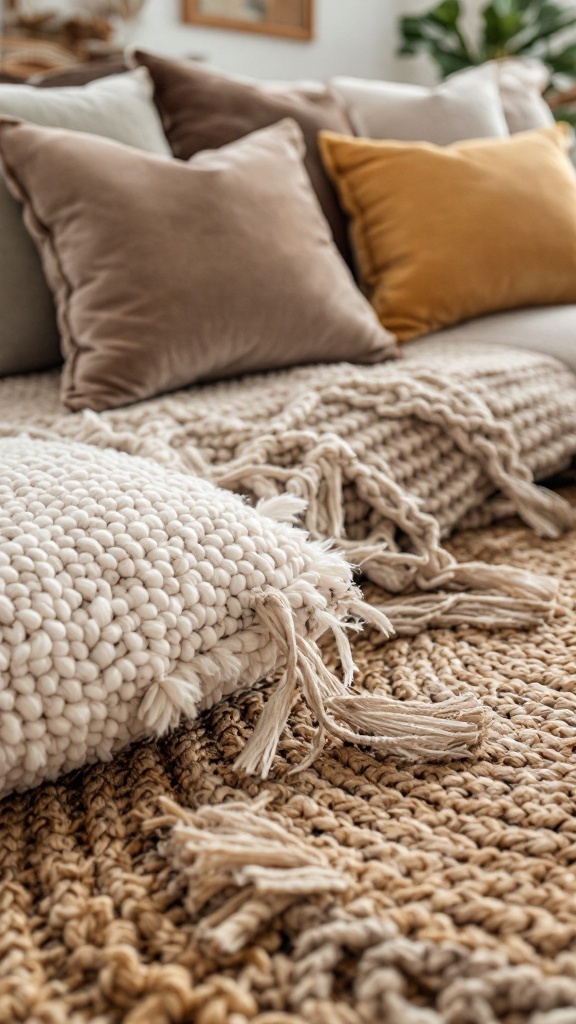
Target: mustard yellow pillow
[{"x": 444, "y": 234}]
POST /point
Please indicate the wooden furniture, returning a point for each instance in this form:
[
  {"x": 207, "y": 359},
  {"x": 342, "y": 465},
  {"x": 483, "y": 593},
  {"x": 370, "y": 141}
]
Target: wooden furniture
[{"x": 35, "y": 41}]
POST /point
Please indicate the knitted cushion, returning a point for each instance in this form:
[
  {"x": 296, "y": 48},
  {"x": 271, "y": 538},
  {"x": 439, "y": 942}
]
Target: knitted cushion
[{"x": 132, "y": 595}]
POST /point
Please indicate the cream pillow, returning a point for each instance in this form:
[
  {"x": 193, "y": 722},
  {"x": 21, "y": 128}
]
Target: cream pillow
[
  {"x": 521, "y": 83},
  {"x": 132, "y": 597},
  {"x": 119, "y": 107},
  {"x": 462, "y": 107}
]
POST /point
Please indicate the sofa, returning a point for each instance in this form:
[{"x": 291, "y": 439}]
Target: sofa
[{"x": 286, "y": 550}]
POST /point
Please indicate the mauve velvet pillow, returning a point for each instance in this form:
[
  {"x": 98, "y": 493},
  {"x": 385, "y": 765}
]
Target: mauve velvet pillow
[
  {"x": 202, "y": 108},
  {"x": 166, "y": 273}
]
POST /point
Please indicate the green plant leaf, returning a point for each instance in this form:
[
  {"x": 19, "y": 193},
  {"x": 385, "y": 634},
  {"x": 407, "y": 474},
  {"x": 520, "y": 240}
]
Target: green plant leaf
[
  {"x": 438, "y": 32},
  {"x": 449, "y": 63},
  {"x": 502, "y": 22},
  {"x": 564, "y": 62},
  {"x": 412, "y": 28},
  {"x": 546, "y": 28},
  {"x": 447, "y": 13}
]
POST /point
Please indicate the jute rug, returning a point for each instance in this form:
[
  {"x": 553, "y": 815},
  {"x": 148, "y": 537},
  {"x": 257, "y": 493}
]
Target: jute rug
[{"x": 358, "y": 892}]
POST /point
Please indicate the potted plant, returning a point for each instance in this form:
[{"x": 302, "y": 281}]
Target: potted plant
[{"x": 508, "y": 28}]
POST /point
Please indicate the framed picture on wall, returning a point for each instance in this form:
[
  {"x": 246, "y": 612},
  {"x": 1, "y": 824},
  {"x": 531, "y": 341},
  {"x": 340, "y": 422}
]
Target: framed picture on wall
[{"x": 292, "y": 18}]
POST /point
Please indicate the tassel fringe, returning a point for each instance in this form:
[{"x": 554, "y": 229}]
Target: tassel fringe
[
  {"x": 413, "y": 730},
  {"x": 414, "y": 614},
  {"x": 404, "y": 552},
  {"x": 236, "y": 849}
]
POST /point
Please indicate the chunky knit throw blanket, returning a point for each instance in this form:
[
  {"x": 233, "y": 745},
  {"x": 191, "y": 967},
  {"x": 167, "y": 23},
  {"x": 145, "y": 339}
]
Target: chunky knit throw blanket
[{"x": 388, "y": 458}]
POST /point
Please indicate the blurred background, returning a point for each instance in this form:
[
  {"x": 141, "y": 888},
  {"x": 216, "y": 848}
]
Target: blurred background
[{"x": 402, "y": 40}]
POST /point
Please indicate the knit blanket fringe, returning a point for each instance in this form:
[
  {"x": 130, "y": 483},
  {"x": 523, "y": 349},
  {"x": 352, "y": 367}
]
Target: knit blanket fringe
[{"x": 496, "y": 596}]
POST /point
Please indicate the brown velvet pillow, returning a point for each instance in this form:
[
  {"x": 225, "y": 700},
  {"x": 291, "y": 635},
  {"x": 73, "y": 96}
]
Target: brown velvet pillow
[
  {"x": 166, "y": 273},
  {"x": 204, "y": 109}
]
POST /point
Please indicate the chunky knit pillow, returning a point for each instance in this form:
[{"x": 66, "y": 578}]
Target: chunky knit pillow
[{"x": 132, "y": 595}]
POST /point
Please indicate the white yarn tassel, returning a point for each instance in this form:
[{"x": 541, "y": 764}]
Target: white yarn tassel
[
  {"x": 410, "y": 730},
  {"x": 417, "y": 612},
  {"x": 544, "y": 511},
  {"x": 283, "y": 508},
  {"x": 236, "y": 846},
  {"x": 481, "y": 595},
  {"x": 166, "y": 701}
]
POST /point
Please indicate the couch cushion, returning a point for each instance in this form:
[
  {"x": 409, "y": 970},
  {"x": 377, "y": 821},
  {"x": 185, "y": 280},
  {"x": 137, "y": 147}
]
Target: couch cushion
[
  {"x": 550, "y": 330},
  {"x": 444, "y": 234},
  {"x": 203, "y": 108},
  {"x": 463, "y": 107},
  {"x": 119, "y": 107},
  {"x": 187, "y": 271}
]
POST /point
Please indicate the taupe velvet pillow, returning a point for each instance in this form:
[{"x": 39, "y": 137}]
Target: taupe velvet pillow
[
  {"x": 166, "y": 273},
  {"x": 202, "y": 108}
]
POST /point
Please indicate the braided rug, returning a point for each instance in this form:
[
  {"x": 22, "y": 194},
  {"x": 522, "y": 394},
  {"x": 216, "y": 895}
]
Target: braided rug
[{"x": 363, "y": 892}]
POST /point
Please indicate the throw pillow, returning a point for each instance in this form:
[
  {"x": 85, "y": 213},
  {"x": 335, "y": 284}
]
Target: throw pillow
[
  {"x": 463, "y": 107},
  {"x": 521, "y": 83},
  {"x": 446, "y": 234},
  {"x": 202, "y": 108},
  {"x": 166, "y": 273},
  {"x": 120, "y": 107},
  {"x": 117, "y": 107},
  {"x": 132, "y": 596}
]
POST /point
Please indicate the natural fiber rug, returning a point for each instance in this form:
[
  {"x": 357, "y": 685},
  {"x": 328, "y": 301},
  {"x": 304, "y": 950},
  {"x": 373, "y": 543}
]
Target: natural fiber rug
[{"x": 363, "y": 892}]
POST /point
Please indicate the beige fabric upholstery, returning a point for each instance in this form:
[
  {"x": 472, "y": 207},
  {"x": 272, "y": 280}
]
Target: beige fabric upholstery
[{"x": 550, "y": 330}]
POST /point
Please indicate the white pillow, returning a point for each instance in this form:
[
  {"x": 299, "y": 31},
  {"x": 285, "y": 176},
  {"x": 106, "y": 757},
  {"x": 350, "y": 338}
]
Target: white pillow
[
  {"x": 462, "y": 107},
  {"x": 119, "y": 107},
  {"x": 521, "y": 82},
  {"x": 132, "y": 595}
]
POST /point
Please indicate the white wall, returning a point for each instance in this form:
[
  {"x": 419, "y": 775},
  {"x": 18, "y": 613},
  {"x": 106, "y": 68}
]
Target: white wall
[{"x": 353, "y": 37}]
